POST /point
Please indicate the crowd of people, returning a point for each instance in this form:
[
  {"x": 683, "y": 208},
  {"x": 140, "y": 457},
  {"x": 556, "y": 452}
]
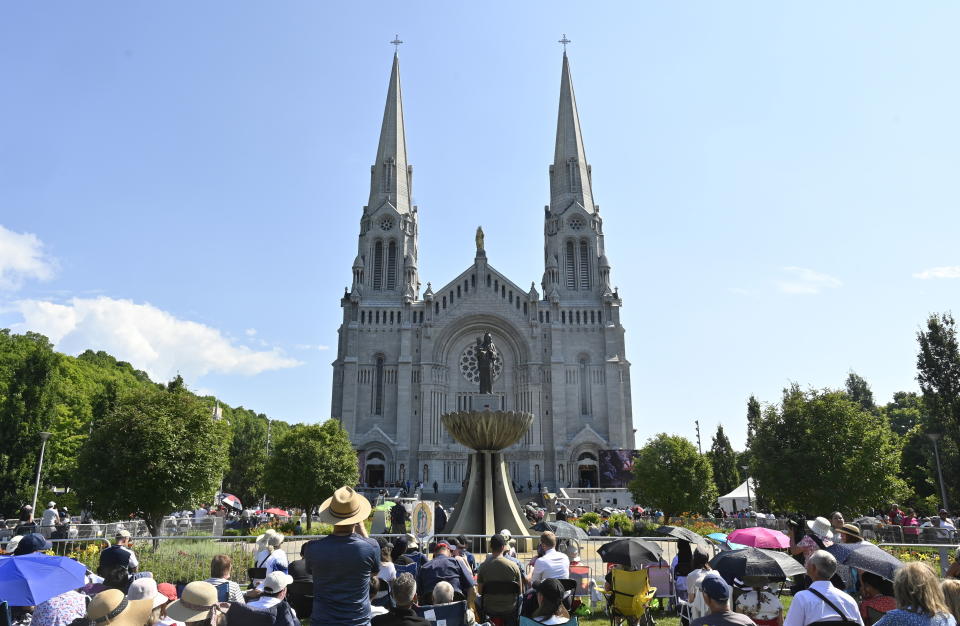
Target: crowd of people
[{"x": 349, "y": 578}]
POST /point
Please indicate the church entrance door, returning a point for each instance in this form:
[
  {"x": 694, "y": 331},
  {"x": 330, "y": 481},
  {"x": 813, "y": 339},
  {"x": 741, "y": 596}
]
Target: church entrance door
[
  {"x": 375, "y": 475},
  {"x": 588, "y": 476}
]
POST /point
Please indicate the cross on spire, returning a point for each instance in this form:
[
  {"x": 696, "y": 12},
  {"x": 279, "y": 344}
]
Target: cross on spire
[
  {"x": 396, "y": 43},
  {"x": 564, "y": 41}
]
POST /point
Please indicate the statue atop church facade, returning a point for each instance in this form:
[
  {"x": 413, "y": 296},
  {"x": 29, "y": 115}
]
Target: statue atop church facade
[
  {"x": 479, "y": 239},
  {"x": 486, "y": 353}
]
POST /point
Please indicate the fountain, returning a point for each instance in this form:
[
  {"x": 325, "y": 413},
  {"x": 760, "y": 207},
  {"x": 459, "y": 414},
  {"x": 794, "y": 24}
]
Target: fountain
[{"x": 488, "y": 503}]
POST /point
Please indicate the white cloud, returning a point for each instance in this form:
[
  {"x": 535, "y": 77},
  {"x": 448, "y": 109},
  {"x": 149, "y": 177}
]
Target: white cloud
[
  {"x": 311, "y": 346},
  {"x": 22, "y": 258},
  {"x": 947, "y": 271},
  {"x": 805, "y": 281},
  {"x": 250, "y": 332},
  {"x": 151, "y": 339}
]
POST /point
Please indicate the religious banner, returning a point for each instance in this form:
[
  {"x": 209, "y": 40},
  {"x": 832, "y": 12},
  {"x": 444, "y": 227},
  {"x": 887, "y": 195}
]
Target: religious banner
[
  {"x": 616, "y": 467},
  {"x": 421, "y": 521}
]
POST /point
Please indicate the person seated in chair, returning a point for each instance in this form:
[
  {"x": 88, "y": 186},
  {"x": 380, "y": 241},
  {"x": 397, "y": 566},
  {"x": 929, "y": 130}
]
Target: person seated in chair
[
  {"x": 550, "y": 597},
  {"x": 716, "y": 594},
  {"x": 375, "y": 586},
  {"x": 274, "y": 597},
  {"x": 498, "y": 568},
  {"x": 445, "y": 567},
  {"x": 443, "y": 594},
  {"x": 404, "y": 590}
]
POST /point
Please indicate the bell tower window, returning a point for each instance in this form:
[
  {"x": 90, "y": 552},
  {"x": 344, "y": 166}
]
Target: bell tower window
[
  {"x": 378, "y": 265},
  {"x": 378, "y": 391},
  {"x": 392, "y": 265},
  {"x": 584, "y": 265},
  {"x": 571, "y": 266}
]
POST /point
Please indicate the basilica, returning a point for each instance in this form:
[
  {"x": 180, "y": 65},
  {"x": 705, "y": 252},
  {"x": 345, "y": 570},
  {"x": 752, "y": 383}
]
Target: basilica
[{"x": 405, "y": 356}]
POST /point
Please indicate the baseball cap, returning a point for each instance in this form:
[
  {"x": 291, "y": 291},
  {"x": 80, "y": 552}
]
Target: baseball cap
[
  {"x": 715, "y": 588},
  {"x": 122, "y": 533},
  {"x": 276, "y": 582},
  {"x": 34, "y": 542}
]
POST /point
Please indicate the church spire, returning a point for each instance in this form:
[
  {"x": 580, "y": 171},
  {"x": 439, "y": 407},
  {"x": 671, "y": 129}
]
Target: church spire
[
  {"x": 390, "y": 177},
  {"x": 570, "y": 173}
]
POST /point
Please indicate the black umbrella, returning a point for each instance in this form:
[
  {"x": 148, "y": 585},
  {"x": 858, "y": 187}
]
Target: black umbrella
[
  {"x": 563, "y": 530},
  {"x": 868, "y": 557},
  {"x": 755, "y": 562},
  {"x": 683, "y": 534},
  {"x": 633, "y": 553}
]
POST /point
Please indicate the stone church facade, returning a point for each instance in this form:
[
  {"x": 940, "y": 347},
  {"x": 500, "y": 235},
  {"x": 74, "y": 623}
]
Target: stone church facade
[{"x": 404, "y": 358}]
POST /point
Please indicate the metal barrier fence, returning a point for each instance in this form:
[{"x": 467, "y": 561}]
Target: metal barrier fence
[
  {"x": 943, "y": 551},
  {"x": 173, "y": 526},
  {"x": 187, "y": 558}
]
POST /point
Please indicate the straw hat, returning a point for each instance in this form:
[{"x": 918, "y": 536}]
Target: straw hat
[
  {"x": 195, "y": 602},
  {"x": 820, "y": 527},
  {"x": 344, "y": 508},
  {"x": 851, "y": 530},
  {"x": 112, "y": 607}
]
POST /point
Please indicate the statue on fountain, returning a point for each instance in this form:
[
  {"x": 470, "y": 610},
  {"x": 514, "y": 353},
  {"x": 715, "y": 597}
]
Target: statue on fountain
[{"x": 486, "y": 353}]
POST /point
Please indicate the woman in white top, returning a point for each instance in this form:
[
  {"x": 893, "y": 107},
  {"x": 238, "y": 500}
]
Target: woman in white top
[
  {"x": 388, "y": 570},
  {"x": 268, "y": 556}
]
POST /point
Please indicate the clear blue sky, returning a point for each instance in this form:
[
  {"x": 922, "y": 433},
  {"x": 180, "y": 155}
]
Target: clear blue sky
[{"x": 181, "y": 183}]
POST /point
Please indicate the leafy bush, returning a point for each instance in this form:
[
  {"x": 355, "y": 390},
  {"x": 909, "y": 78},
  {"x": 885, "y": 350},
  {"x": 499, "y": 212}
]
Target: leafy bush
[
  {"x": 587, "y": 519},
  {"x": 621, "y": 521}
]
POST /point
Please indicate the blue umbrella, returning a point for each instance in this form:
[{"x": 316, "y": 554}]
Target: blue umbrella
[
  {"x": 31, "y": 579},
  {"x": 721, "y": 538}
]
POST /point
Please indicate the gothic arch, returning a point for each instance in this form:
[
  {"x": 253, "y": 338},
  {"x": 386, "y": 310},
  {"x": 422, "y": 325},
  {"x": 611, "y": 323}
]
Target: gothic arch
[{"x": 504, "y": 332}]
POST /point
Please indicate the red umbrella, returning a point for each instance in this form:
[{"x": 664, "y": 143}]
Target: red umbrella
[
  {"x": 759, "y": 537},
  {"x": 277, "y": 512}
]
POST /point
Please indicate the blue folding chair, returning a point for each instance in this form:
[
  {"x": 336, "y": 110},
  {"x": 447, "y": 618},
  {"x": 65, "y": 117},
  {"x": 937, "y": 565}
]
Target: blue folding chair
[
  {"x": 453, "y": 614},
  {"x": 411, "y": 568}
]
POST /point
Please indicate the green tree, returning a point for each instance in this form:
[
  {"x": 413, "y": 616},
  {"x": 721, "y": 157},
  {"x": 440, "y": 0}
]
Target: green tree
[
  {"x": 905, "y": 412},
  {"x": 938, "y": 372},
  {"x": 28, "y": 368},
  {"x": 308, "y": 463},
  {"x": 723, "y": 460},
  {"x": 754, "y": 416},
  {"x": 819, "y": 451},
  {"x": 859, "y": 391},
  {"x": 671, "y": 475},
  {"x": 155, "y": 452},
  {"x": 248, "y": 455}
]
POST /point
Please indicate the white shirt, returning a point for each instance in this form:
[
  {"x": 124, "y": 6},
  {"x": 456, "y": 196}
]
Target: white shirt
[
  {"x": 807, "y": 608},
  {"x": 552, "y": 564},
  {"x": 388, "y": 571},
  {"x": 264, "y": 603},
  {"x": 50, "y": 518}
]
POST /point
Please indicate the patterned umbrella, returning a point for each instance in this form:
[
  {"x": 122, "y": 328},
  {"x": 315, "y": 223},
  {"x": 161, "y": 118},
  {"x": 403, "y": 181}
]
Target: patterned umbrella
[
  {"x": 755, "y": 562},
  {"x": 759, "y": 537},
  {"x": 867, "y": 557},
  {"x": 230, "y": 500}
]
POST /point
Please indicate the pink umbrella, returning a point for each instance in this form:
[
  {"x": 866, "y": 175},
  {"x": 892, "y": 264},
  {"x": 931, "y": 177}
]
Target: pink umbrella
[{"x": 759, "y": 537}]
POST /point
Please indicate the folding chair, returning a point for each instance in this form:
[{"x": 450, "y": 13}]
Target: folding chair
[
  {"x": 411, "y": 568},
  {"x": 453, "y": 614},
  {"x": 661, "y": 578},
  {"x": 630, "y": 596},
  {"x": 509, "y": 589},
  {"x": 300, "y": 597}
]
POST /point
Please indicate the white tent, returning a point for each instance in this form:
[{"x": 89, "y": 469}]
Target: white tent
[{"x": 737, "y": 499}]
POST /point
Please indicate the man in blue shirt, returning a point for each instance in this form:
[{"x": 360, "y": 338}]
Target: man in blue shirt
[
  {"x": 343, "y": 563},
  {"x": 444, "y": 567}
]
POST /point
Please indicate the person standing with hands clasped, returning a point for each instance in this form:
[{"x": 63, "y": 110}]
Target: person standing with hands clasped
[{"x": 343, "y": 563}]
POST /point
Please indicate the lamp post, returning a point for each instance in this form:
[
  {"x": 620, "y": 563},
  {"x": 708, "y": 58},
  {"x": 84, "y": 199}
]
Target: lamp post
[
  {"x": 36, "y": 488},
  {"x": 746, "y": 472},
  {"x": 934, "y": 437}
]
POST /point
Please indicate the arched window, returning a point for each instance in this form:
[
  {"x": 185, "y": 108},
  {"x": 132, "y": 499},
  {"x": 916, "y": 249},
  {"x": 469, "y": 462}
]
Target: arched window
[
  {"x": 584, "y": 265},
  {"x": 378, "y": 390},
  {"x": 571, "y": 264},
  {"x": 584, "y": 386},
  {"x": 378, "y": 265},
  {"x": 363, "y": 317},
  {"x": 392, "y": 265}
]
